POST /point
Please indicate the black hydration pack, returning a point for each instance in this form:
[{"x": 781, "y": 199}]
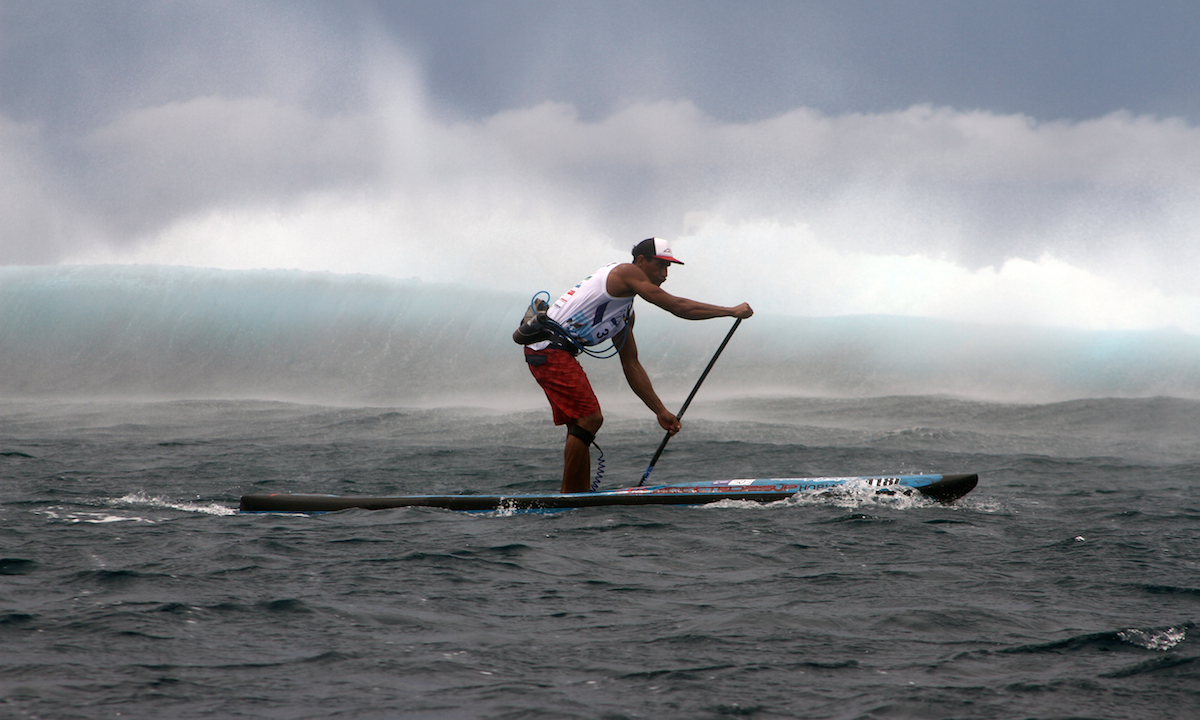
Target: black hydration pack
[{"x": 536, "y": 327}]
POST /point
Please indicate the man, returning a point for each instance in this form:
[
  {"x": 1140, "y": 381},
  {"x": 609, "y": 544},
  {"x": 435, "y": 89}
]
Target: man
[{"x": 598, "y": 309}]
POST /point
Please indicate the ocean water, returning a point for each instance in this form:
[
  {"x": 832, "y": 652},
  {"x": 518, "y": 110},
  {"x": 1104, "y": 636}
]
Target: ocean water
[
  {"x": 137, "y": 404},
  {"x": 1067, "y": 585}
]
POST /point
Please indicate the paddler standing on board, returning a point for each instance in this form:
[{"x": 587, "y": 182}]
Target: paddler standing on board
[{"x": 601, "y": 308}]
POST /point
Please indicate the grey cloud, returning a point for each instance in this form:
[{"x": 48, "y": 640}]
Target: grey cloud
[
  {"x": 154, "y": 165},
  {"x": 751, "y": 60},
  {"x": 123, "y": 117},
  {"x": 73, "y": 66},
  {"x": 37, "y": 225},
  {"x": 67, "y": 62}
]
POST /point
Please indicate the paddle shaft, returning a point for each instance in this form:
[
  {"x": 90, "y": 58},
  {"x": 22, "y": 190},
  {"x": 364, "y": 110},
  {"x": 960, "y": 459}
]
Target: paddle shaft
[{"x": 687, "y": 402}]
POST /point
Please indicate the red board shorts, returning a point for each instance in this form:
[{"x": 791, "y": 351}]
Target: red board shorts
[{"x": 566, "y": 385}]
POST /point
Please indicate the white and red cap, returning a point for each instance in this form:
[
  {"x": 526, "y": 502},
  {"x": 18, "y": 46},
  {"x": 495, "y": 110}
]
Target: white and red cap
[{"x": 655, "y": 247}]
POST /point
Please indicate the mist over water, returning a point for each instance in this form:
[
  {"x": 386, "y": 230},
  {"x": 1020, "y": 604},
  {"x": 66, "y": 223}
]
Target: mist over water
[{"x": 172, "y": 332}]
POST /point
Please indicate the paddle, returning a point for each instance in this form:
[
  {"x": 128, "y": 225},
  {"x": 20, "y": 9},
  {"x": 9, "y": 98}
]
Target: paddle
[{"x": 687, "y": 402}]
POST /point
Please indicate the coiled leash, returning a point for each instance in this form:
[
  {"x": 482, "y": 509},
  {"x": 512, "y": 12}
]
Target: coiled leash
[
  {"x": 599, "y": 469},
  {"x": 589, "y": 439}
]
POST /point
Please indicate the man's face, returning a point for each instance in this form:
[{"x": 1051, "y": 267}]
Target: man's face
[{"x": 656, "y": 269}]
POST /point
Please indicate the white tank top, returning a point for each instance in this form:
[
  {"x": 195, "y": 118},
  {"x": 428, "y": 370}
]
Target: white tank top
[{"x": 588, "y": 312}]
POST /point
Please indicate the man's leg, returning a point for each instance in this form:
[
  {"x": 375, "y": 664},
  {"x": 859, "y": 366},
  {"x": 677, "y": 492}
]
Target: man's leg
[
  {"x": 577, "y": 459},
  {"x": 575, "y": 405}
]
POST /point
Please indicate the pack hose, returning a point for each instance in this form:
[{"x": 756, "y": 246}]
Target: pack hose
[{"x": 564, "y": 336}]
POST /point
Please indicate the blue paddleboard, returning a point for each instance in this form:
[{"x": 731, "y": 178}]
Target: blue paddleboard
[{"x": 943, "y": 488}]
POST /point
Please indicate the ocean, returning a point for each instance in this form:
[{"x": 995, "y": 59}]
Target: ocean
[{"x": 138, "y": 405}]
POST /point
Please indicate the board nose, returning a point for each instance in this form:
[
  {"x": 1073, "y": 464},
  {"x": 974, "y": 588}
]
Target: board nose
[{"x": 951, "y": 487}]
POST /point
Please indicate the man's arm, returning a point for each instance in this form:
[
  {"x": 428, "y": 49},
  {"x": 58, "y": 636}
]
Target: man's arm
[
  {"x": 639, "y": 380},
  {"x": 628, "y": 279}
]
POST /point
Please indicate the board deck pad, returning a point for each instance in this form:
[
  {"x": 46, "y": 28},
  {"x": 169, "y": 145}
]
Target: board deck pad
[{"x": 943, "y": 488}]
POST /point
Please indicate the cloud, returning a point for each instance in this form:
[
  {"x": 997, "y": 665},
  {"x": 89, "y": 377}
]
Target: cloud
[
  {"x": 37, "y": 221},
  {"x": 152, "y": 166},
  {"x": 789, "y": 269},
  {"x": 927, "y": 211},
  {"x": 922, "y": 210}
]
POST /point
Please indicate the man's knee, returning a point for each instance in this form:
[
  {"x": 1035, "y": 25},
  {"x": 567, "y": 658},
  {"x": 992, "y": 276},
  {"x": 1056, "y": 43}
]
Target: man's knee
[
  {"x": 591, "y": 423},
  {"x": 586, "y": 427}
]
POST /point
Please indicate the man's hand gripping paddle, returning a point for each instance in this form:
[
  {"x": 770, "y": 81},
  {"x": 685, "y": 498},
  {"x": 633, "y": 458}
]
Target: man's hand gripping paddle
[{"x": 687, "y": 402}]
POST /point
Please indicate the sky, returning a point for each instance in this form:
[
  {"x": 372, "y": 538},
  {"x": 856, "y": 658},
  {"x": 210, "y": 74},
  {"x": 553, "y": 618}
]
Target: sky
[{"x": 1024, "y": 163}]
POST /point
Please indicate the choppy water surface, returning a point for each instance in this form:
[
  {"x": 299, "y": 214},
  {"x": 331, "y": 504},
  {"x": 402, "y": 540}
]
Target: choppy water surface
[{"x": 1066, "y": 585}]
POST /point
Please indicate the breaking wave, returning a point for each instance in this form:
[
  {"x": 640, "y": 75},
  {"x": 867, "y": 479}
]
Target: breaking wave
[{"x": 177, "y": 332}]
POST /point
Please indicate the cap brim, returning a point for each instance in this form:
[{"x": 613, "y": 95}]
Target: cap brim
[{"x": 668, "y": 258}]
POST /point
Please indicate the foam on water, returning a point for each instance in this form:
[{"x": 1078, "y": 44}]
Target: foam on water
[
  {"x": 852, "y": 495},
  {"x": 138, "y": 499},
  {"x": 61, "y": 514},
  {"x": 1154, "y": 638}
]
